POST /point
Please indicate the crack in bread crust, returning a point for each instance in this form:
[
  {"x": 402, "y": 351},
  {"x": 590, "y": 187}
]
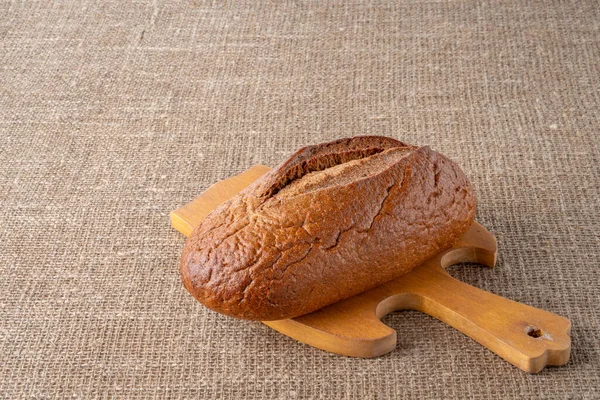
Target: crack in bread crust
[
  {"x": 318, "y": 164},
  {"x": 362, "y": 223},
  {"x": 319, "y": 157}
]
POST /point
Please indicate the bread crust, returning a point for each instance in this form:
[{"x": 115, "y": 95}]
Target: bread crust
[{"x": 332, "y": 221}]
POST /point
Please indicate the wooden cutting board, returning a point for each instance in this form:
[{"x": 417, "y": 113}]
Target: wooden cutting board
[{"x": 527, "y": 337}]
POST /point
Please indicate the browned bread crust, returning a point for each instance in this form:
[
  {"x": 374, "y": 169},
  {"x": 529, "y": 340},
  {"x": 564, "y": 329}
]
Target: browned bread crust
[{"x": 332, "y": 221}]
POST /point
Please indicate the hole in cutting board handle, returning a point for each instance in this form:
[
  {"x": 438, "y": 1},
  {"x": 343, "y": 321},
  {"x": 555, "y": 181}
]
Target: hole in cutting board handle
[{"x": 535, "y": 332}]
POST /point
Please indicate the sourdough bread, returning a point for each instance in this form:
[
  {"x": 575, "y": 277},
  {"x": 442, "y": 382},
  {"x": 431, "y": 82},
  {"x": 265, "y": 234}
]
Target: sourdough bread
[{"x": 332, "y": 221}]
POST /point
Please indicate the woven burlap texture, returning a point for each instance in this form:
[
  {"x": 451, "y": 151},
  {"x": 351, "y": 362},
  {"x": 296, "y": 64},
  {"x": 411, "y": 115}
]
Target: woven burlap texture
[{"x": 114, "y": 113}]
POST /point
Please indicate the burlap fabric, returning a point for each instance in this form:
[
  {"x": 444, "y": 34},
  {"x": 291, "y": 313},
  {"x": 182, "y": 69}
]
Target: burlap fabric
[{"x": 114, "y": 113}]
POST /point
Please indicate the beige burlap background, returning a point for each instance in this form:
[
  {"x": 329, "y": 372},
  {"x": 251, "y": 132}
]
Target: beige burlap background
[{"x": 113, "y": 113}]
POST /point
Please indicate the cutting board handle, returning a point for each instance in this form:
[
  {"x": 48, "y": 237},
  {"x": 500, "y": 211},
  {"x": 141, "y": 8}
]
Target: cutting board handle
[{"x": 525, "y": 336}]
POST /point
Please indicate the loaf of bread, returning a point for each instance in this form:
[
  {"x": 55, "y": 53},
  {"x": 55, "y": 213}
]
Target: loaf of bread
[{"x": 332, "y": 221}]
